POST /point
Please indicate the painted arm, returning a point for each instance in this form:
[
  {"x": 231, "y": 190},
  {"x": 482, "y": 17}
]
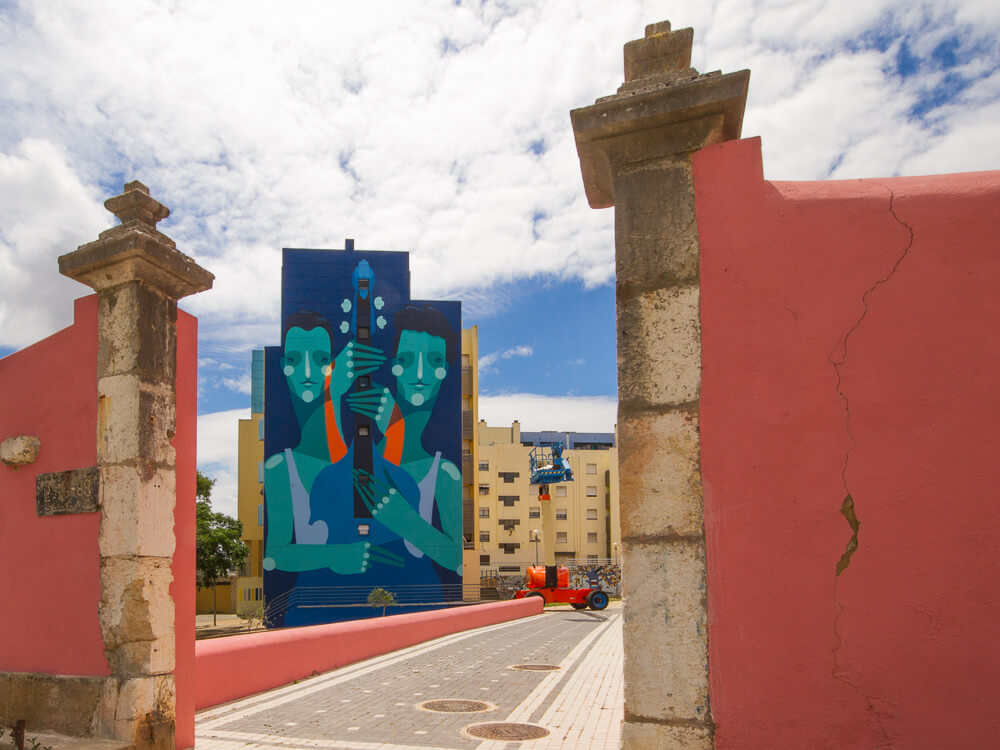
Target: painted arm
[
  {"x": 389, "y": 506},
  {"x": 379, "y": 405},
  {"x": 282, "y": 554}
]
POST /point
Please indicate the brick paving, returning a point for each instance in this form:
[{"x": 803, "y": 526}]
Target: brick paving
[{"x": 373, "y": 705}]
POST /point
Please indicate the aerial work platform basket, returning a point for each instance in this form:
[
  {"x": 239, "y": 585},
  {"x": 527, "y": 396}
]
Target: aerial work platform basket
[{"x": 548, "y": 466}]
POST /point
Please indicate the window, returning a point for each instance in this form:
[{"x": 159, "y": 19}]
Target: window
[
  {"x": 592, "y": 558},
  {"x": 363, "y": 333},
  {"x": 364, "y": 383},
  {"x": 509, "y": 500},
  {"x": 363, "y": 430},
  {"x": 364, "y": 529},
  {"x": 591, "y": 468},
  {"x": 484, "y": 489},
  {"x": 260, "y": 429},
  {"x": 561, "y": 537},
  {"x": 591, "y": 492},
  {"x": 591, "y": 537},
  {"x": 510, "y": 547},
  {"x": 484, "y": 536},
  {"x": 484, "y": 559},
  {"x": 509, "y": 523},
  {"x": 562, "y": 514},
  {"x": 260, "y": 515},
  {"x": 484, "y": 512},
  {"x": 510, "y": 568},
  {"x": 591, "y": 514},
  {"x": 508, "y": 476},
  {"x": 534, "y": 512},
  {"x": 560, "y": 492},
  {"x": 484, "y": 465},
  {"x": 260, "y": 471}
]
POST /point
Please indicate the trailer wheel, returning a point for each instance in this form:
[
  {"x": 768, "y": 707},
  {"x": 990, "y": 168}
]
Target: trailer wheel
[
  {"x": 597, "y": 600},
  {"x": 578, "y": 605}
]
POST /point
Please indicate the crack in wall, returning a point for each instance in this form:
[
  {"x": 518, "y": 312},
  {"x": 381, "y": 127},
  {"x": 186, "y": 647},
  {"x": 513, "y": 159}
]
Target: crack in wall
[{"x": 848, "y": 509}]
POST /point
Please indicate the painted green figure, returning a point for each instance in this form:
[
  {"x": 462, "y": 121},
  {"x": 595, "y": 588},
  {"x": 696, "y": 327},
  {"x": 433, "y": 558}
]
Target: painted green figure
[
  {"x": 425, "y": 344},
  {"x": 316, "y": 383}
]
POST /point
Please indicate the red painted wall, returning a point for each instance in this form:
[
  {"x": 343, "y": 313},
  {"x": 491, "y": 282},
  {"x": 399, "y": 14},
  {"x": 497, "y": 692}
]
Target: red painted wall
[
  {"x": 50, "y": 582},
  {"x": 182, "y": 589},
  {"x": 241, "y": 665},
  {"x": 844, "y": 354}
]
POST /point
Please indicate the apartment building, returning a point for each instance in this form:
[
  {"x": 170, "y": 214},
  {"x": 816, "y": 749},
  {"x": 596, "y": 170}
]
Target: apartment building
[{"x": 508, "y": 511}]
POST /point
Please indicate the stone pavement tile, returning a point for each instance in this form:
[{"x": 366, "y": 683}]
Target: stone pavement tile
[{"x": 372, "y": 705}]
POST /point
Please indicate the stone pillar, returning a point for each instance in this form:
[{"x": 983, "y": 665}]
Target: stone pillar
[
  {"x": 138, "y": 275},
  {"x": 635, "y": 153}
]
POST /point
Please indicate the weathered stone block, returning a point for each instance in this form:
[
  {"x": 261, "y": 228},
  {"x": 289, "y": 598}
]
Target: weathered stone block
[
  {"x": 647, "y": 736},
  {"x": 56, "y": 703},
  {"x": 656, "y": 241},
  {"x": 59, "y": 493},
  {"x": 659, "y": 472},
  {"x": 137, "y": 615},
  {"x": 135, "y": 421},
  {"x": 659, "y": 348},
  {"x": 657, "y": 54},
  {"x": 149, "y": 349},
  {"x": 20, "y": 451},
  {"x": 140, "y": 710},
  {"x": 665, "y": 631},
  {"x": 138, "y": 512}
]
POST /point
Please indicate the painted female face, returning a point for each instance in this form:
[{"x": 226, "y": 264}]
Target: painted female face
[
  {"x": 306, "y": 362},
  {"x": 419, "y": 366}
]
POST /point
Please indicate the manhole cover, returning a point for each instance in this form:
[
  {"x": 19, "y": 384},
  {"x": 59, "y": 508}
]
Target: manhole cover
[
  {"x": 454, "y": 706},
  {"x": 536, "y": 667},
  {"x": 500, "y": 730}
]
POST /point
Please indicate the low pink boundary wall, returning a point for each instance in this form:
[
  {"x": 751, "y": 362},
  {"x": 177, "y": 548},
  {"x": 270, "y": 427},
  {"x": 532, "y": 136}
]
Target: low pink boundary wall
[{"x": 241, "y": 665}]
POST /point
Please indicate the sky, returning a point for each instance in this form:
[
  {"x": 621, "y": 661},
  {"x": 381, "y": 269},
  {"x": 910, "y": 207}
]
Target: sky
[{"x": 440, "y": 128}]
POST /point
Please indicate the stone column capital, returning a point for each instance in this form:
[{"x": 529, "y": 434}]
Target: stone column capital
[
  {"x": 136, "y": 251},
  {"x": 664, "y": 108}
]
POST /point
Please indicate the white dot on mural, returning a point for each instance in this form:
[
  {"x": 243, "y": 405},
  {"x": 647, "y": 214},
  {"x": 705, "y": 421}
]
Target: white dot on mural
[
  {"x": 345, "y": 327},
  {"x": 440, "y": 372},
  {"x": 327, "y": 369},
  {"x": 397, "y": 370},
  {"x": 268, "y": 563},
  {"x": 417, "y": 399},
  {"x": 307, "y": 396},
  {"x": 345, "y": 305},
  {"x": 289, "y": 369}
]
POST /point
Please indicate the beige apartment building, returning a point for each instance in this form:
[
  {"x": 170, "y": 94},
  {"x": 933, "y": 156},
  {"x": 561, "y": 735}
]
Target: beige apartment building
[{"x": 508, "y": 511}]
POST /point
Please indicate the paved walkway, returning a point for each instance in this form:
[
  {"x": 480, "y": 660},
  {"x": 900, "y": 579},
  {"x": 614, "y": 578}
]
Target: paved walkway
[{"x": 375, "y": 704}]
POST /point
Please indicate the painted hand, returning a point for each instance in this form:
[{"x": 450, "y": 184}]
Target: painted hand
[
  {"x": 377, "y": 403},
  {"x": 353, "y": 361},
  {"x": 348, "y": 559},
  {"x": 385, "y": 502}
]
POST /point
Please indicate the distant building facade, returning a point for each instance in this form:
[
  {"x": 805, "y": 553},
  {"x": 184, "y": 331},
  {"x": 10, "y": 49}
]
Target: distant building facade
[{"x": 508, "y": 511}]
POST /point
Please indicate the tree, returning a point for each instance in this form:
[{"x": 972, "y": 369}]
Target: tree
[
  {"x": 381, "y": 598},
  {"x": 219, "y": 548}
]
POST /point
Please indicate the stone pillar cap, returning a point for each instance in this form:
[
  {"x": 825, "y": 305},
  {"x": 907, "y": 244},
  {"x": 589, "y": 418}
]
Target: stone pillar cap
[
  {"x": 136, "y": 251},
  {"x": 662, "y": 93}
]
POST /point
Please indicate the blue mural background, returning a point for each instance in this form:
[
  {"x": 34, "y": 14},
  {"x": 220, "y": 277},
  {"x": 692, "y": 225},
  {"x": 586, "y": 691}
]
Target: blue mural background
[{"x": 300, "y": 588}]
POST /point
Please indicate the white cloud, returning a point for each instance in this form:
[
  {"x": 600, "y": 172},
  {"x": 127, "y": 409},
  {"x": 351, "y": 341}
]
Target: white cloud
[
  {"x": 239, "y": 385},
  {"x": 515, "y": 351},
  {"x": 414, "y": 130},
  {"x": 563, "y": 413},
  {"x": 218, "y": 453}
]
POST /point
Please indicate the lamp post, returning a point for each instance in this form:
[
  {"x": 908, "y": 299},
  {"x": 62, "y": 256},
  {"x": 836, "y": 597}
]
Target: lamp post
[
  {"x": 614, "y": 546},
  {"x": 536, "y": 538}
]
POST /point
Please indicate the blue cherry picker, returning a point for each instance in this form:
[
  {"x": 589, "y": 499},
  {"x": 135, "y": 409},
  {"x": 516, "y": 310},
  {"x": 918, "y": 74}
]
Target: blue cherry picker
[{"x": 549, "y": 581}]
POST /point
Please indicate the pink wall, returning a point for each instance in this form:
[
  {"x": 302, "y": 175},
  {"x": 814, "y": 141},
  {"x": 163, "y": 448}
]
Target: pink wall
[
  {"x": 182, "y": 588},
  {"x": 902, "y": 649},
  {"x": 50, "y": 583},
  {"x": 241, "y": 665}
]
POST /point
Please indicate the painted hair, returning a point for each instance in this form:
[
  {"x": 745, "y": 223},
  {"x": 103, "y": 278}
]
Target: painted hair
[
  {"x": 426, "y": 319},
  {"x": 306, "y": 320}
]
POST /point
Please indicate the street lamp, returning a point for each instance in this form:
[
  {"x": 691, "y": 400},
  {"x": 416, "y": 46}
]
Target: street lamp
[{"x": 536, "y": 537}]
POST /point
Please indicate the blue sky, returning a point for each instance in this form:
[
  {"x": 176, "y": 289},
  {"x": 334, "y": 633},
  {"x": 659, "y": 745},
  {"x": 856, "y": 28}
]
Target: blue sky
[{"x": 440, "y": 128}]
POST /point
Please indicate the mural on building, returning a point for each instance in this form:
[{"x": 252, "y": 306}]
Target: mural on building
[{"x": 362, "y": 441}]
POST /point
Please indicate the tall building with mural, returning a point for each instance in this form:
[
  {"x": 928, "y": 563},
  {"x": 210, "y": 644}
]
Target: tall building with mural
[{"x": 361, "y": 450}]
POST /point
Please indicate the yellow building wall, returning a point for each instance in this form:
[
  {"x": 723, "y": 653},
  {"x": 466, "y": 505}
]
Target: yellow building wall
[
  {"x": 225, "y": 595},
  {"x": 250, "y": 501},
  {"x": 470, "y": 456}
]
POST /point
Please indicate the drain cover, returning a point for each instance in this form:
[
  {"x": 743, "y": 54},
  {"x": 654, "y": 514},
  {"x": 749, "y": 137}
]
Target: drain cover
[
  {"x": 536, "y": 667},
  {"x": 500, "y": 730},
  {"x": 455, "y": 706}
]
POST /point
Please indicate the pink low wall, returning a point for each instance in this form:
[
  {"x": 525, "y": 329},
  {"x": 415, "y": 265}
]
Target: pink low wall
[{"x": 241, "y": 665}]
